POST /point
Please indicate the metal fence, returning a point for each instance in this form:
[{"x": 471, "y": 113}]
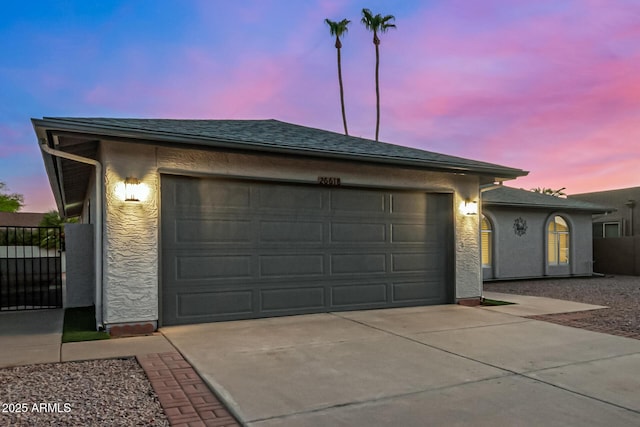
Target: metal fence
[{"x": 30, "y": 267}]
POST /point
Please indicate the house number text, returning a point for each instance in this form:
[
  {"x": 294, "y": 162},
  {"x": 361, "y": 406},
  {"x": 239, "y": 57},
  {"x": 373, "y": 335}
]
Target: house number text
[{"x": 329, "y": 180}]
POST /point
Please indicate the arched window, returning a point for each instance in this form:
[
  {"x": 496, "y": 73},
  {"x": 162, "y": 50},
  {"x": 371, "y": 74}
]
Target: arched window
[
  {"x": 558, "y": 242},
  {"x": 485, "y": 239}
]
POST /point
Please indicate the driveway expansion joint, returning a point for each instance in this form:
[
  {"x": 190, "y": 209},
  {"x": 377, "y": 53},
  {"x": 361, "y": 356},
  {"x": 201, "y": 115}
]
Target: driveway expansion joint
[{"x": 185, "y": 398}]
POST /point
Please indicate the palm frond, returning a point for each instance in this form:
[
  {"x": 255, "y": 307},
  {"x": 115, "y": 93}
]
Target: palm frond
[
  {"x": 367, "y": 19},
  {"x": 338, "y": 28},
  {"x": 385, "y": 23}
]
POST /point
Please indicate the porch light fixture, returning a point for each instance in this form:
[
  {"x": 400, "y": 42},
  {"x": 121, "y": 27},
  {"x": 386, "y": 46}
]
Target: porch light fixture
[
  {"x": 469, "y": 207},
  {"x": 132, "y": 189}
]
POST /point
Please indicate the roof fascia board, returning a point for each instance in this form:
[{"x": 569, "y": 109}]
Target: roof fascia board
[
  {"x": 556, "y": 207},
  {"x": 52, "y": 168}
]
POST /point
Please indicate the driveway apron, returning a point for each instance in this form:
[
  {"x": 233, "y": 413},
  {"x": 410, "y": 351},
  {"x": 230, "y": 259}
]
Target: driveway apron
[{"x": 438, "y": 365}]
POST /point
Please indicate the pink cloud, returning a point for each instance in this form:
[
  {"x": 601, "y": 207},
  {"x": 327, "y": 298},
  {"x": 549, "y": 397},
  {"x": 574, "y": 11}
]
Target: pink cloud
[
  {"x": 527, "y": 90},
  {"x": 486, "y": 80}
]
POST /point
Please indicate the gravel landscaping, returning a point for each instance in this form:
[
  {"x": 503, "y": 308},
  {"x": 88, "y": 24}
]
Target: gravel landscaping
[
  {"x": 620, "y": 293},
  {"x": 112, "y": 392}
]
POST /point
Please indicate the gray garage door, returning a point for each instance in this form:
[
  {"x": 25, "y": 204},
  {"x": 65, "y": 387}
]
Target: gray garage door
[{"x": 235, "y": 249}]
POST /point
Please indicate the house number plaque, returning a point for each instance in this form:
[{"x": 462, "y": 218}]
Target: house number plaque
[{"x": 329, "y": 180}]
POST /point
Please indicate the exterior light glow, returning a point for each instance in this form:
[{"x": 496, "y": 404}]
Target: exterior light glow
[
  {"x": 132, "y": 188},
  {"x": 469, "y": 207}
]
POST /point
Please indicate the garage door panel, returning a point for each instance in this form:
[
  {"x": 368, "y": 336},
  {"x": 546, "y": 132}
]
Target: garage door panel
[
  {"x": 358, "y": 295},
  {"x": 291, "y": 232},
  {"x": 291, "y": 265},
  {"x": 279, "y": 249},
  {"x": 357, "y": 263},
  {"x": 427, "y": 262},
  {"x": 408, "y": 203},
  {"x": 212, "y": 194},
  {"x": 213, "y": 267},
  {"x": 358, "y": 201},
  {"x": 213, "y": 231},
  {"x": 416, "y": 291},
  {"x": 288, "y": 299},
  {"x": 350, "y": 232},
  {"x": 288, "y": 197},
  {"x": 222, "y": 303},
  {"x": 413, "y": 233}
]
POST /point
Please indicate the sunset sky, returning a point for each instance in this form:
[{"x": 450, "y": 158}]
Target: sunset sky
[{"x": 549, "y": 86}]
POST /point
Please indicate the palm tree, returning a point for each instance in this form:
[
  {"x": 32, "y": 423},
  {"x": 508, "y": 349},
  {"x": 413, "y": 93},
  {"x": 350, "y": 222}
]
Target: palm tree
[
  {"x": 339, "y": 29},
  {"x": 550, "y": 191},
  {"x": 377, "y": 23}
]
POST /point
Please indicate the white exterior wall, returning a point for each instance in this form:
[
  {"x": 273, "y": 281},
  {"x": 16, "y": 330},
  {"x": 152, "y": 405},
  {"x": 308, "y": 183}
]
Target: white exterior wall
[
  {"x": 131, "y": 241},
  {"x": 525, "y": 256}
]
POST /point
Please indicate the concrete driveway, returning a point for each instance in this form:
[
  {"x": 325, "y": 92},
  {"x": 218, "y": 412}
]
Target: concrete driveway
[{"x": 440, "y": 365}]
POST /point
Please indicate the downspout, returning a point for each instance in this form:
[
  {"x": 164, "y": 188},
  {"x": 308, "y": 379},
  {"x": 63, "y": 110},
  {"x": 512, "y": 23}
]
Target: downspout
[{"x": 98, "y": 239}]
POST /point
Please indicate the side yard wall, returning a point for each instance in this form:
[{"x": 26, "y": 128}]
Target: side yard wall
[
  {"x": 619, "y": 255},
  {"x": 80, "y": 276}
]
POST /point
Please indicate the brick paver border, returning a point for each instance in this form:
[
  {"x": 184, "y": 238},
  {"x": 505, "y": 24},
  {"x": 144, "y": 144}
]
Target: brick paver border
[
  {"x": 185, "y": 398},
  {"x": 577, "y": 320}
]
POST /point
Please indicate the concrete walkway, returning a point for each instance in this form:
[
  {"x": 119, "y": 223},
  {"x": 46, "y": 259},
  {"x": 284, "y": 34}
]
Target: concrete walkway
[
  {"x": 440, "y": 365},
  {"x": 32, "y": 337},
  {"x": 534, "y": 306},
  {"x": 35, "y": 336},
  {"x": 29, "y": 337}
]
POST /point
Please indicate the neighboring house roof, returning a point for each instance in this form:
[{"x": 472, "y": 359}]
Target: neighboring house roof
[
  {"x": 612, "y": 197},
  {"x": 514, "y": 197},
  {"x": 81, "y": 135},
  {"x": 624, "y": 200},
  {"x": 20, "y": 219}
]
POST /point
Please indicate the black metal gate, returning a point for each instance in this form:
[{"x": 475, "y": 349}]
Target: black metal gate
[{"x": 30, "y": 267}]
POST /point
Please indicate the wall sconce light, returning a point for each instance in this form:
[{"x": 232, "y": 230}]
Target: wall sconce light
[
  {"x": 469, "y": 207},
  {"x": 132, "y": 189}
]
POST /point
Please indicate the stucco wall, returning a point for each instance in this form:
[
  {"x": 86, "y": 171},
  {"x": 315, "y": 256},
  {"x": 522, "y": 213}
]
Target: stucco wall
[
  {"x": 131, "y": 233},
  {"x": 130, "y": 261},
  {"x": 525, "y": 255}
]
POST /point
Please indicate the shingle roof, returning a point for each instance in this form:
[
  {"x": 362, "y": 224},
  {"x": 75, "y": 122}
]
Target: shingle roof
[
  {"x": 274, "y": 136},
  {"x": 514, "y": 197}
]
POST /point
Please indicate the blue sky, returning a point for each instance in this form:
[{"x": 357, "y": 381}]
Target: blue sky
[{"x": 548, "y": 86}]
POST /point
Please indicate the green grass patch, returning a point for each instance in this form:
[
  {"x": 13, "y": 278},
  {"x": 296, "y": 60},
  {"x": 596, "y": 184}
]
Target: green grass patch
[
  {"x": 487, "y": 301},
  {"x": 80, "y": 325}
]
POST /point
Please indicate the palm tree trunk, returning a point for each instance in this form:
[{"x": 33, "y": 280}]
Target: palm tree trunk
[
  {"x": 344, "y": 116},
  {"x": 377, "y": 93}
]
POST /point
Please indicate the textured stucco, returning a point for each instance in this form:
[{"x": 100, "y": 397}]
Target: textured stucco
[
  {"x": 131, "y": 276},
  {"x": 524, "y": 256},
  {"x": 130, "y": 259}
]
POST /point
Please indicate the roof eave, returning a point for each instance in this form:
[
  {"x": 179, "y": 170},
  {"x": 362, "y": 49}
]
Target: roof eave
[
  {"x": 556, "y": 207},
  {"x": 55, "y": 180}
]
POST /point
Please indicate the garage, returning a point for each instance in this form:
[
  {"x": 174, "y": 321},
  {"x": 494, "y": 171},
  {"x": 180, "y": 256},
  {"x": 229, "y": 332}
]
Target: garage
[
  {"x": 216, "y": 220},
  {"x": 238, "y": 249}
]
